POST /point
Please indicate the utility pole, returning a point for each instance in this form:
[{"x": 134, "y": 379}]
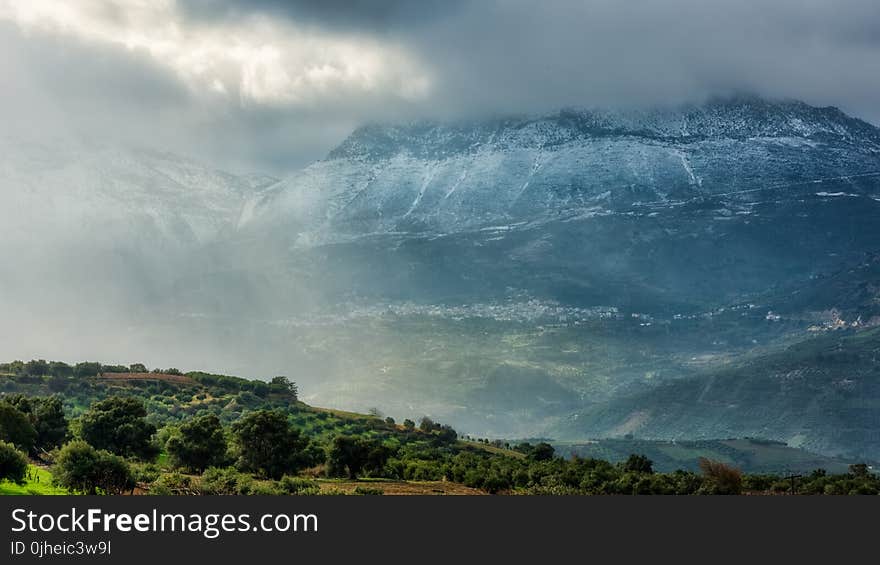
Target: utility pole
[{"x": 792, "y": 478}]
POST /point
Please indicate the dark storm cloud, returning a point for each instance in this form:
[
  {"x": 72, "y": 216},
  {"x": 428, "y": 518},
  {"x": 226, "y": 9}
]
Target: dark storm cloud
[
  {"x": 521, "y": 55},
  {"x": 478, "y": 57},
  {"x": 526, "y": 56}
]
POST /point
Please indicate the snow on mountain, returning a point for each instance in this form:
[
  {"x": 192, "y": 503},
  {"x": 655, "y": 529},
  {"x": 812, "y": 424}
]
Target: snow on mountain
[
  {"x": 123, "y": 193},
  {"x": 444, "y": 178}
]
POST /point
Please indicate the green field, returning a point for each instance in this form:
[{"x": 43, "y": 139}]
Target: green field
[{"x": 32, "y": 486}]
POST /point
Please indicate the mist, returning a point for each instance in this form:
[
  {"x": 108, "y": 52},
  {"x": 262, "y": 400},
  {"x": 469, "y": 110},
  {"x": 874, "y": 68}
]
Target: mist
[{"x": 136, "y": 137}]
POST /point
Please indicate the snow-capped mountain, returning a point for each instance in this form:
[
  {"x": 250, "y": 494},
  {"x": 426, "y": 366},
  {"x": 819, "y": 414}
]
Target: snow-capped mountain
[
  {"x": 447, "y": 178},
  {"x": 504, "y": 274}
]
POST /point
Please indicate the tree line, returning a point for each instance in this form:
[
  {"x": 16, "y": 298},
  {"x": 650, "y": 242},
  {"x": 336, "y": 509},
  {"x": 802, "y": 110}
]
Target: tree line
[{"x": 225, "y": 436}]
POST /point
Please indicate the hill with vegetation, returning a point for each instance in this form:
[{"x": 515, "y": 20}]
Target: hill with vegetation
[{"x": 91, "y": 428}]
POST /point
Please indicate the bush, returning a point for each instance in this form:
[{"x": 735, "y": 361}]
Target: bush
[
  {"x": 13, "y": 463},
  {"x": 145, "y": 472},
  {"x": 268, "y": 488},
  {"x": 198, "y": 444},
  {"x": 225, "y": 481},
  {"x": 81, "y": 467},
  {"x": 333, "y": 491},
  {"x": 118, "y": 425},
  {"x": 269, "y": 446},
  {"x": 638, "y": 464},
  {"x": 495, "y": 483},
  {"x": 720, "y": 478},
  {"x": 759, "y": 483},
  {"x": 367, "y": 491},
  {"x": 46, "y": 414},
  {"x": 298, "y": 485},
  {"x": 173, "y": 484},
  {"x": 542, "y": 452},
  {"x": 16, "y": 428},
  {"x": 350, "y": 455}
]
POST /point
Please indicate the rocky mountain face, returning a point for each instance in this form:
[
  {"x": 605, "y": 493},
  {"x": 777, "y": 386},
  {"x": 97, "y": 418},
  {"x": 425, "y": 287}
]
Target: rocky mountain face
[
  {"x": 443, "y": 179},
  {"x": 663, "y": 211}
]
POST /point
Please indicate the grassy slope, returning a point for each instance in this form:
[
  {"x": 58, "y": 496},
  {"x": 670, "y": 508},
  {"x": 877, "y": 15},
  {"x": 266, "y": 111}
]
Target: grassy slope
[
  {"x": 168, "y": 404},
  {"x": 31, "y": 487}
]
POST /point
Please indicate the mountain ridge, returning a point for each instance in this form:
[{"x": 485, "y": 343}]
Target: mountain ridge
[
  {"x": 441, "y": 179},
  {"x": 739, "y": 117}
]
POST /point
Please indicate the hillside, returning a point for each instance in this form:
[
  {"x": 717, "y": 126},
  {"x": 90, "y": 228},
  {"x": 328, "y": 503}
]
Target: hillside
[
  {"x": 822, "y": 394},
  {"x": 200, "y": 433}
]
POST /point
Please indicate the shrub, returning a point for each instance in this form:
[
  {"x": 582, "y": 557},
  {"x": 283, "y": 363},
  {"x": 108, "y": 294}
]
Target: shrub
[
  {"x": 13, "y": 463},
  {"x": 638, "y": 464},
  {"x": 198, "y": 444},
  {"x": 269, "y": 488},
  {"x": 118, "y": 425},
  {"x": 81, "y": 467},
  {"x": 173, "y": 484},
  {"x": 354, "y": 455},
  {"x": 367, "y": 491},
  {"x": 225, "y": 481},
  {"x": 720, "y": 478},
  {"x": 298, "y": 485},
  {"x": 269, "y": 446},
  {"x": 16, "y": 428}
]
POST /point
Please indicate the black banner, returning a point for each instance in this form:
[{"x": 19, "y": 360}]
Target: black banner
[{"x": 397, "y": 529}]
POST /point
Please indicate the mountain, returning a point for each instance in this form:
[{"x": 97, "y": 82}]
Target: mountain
[
  {"x": 519, "y": 275},
  {"x": 447, "y": 178},
  {"x": 822, "y": 394},
  {"x": 664, "y": 210},
  {"x": 514, "y": 276}
]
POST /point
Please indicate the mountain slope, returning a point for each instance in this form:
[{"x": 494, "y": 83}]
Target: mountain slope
[
  {"x": 822, "y": 394},
  {"x": 447, "y": 178},
  {"x": 665, "y": 243}
]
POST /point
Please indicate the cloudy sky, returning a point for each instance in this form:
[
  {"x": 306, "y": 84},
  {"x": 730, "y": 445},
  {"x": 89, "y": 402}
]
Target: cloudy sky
[{"x": 270, "y": 85}]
